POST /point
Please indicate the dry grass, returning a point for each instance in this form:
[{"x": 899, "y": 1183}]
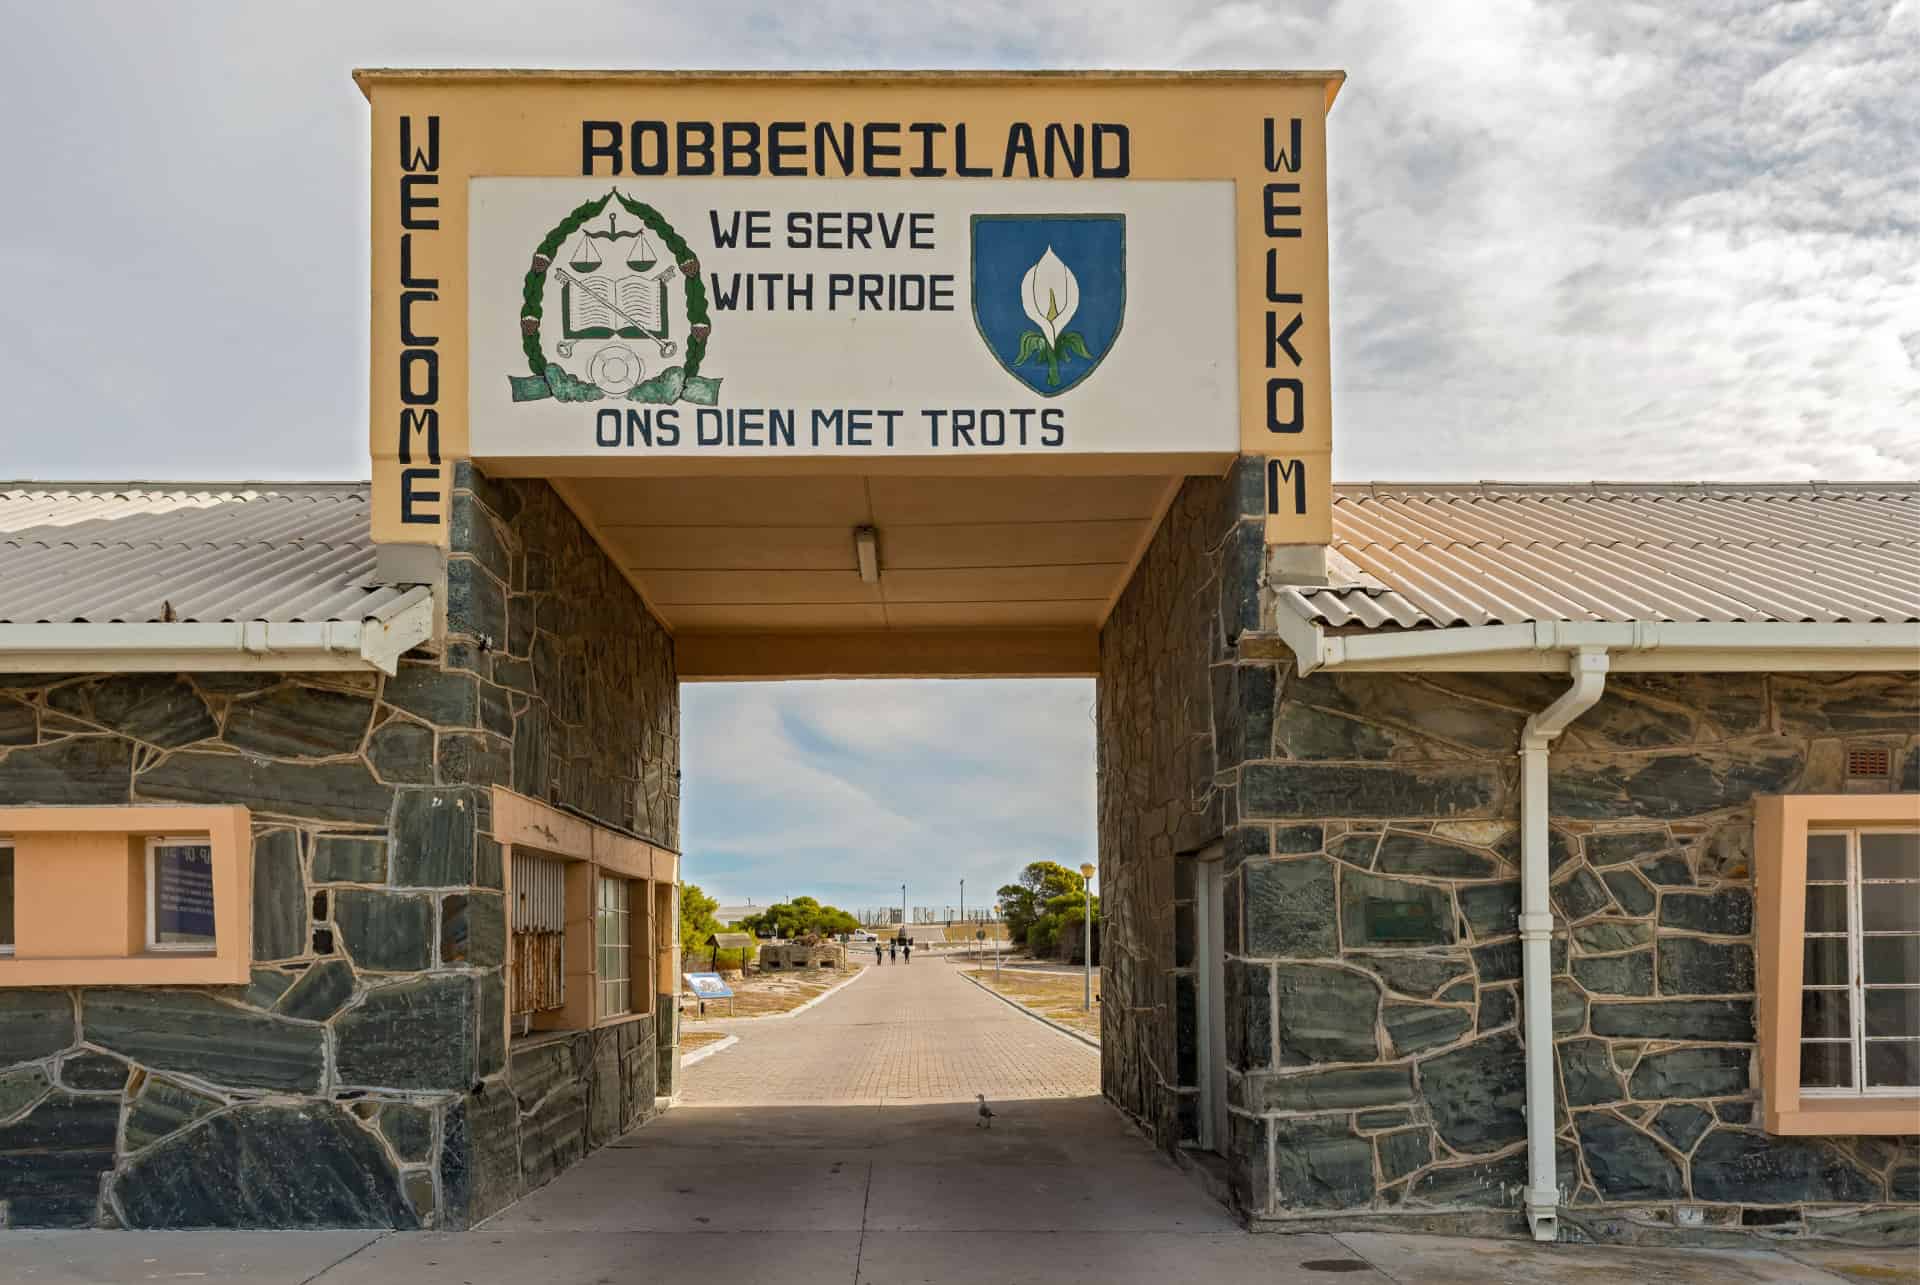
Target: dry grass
[
  {"x": 1056, "y": 996},
  {"x": 763, "y": 994},
  {"x": 691, "y": 1040}
]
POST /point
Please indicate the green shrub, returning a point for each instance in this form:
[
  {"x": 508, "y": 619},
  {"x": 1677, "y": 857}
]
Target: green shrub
[
  {"x": 801, "y": 915},
  {"x": 697, "y": 923},
  {"x": 707, "y": 960}
]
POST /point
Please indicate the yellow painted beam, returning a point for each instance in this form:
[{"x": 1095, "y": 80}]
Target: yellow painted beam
[{"x": 1102, "y": 464}]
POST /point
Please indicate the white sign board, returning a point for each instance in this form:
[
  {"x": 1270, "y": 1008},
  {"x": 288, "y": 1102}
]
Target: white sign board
[
  {"x": 708, "y": 985},
  {"x": 889, "y": 317}
]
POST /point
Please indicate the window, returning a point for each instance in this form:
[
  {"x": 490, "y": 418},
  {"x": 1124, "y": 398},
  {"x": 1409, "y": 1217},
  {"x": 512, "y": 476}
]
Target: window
[
  {"x": 1837, "y": 919},
  {"x": 180, "y": 894},
  {"x": 142, "y": 895},
  {"x": 583, "y": 901},
  {"x": 6, "y": 897},
  {"x": 613, "y": 938},
  {"x": 1860, "y": 979}
]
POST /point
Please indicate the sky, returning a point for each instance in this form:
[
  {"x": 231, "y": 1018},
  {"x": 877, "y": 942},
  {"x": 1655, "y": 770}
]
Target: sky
[
  {"x": 846, "y": 790},
  {"x": 1635, "y": 241}
]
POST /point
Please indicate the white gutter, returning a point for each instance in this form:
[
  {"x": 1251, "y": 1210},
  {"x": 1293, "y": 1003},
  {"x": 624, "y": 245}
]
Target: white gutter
[
  {"x": 374, "y": 643},
  {"x": 1636, "y": 646},
  {"x": 1589, "y": 670}
]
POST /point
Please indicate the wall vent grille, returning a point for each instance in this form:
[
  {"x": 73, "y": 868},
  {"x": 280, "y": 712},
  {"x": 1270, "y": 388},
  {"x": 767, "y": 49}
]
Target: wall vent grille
[{"x": 1869, "y": 760}]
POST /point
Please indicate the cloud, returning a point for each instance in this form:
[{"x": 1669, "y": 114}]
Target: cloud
[
  {"x": 1635, "y": 241},
  {"x": 1629, "y": 241},
  {"x": 1639, "y": 240},
  {"x": 846, "y": 789}
]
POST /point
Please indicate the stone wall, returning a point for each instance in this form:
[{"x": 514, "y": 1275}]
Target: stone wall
[
  {"x": 1368, "y": 825},
  {"x": 584, "y": 714},
  {"x": 372, "y": 927},
  {"x": 1379, "y": 1071},
  {"x": 1166, "y": 662},
  {"x": 362, "y": 1078}
]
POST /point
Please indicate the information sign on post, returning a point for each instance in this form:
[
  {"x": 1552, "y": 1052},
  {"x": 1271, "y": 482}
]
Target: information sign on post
[{"x": 708, "y": 985}]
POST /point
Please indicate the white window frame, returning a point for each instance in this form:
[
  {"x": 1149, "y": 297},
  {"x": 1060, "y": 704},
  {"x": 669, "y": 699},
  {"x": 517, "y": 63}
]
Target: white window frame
[
  {"x": 6, "y": 846},
  {"x": 154, "y": 843},
  {"x": 1856, "y": 987},
  {"x": 611, "y": 984}
]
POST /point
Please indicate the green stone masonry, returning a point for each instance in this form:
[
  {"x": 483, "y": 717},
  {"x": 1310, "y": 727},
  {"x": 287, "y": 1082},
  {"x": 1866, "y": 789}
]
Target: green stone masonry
[
  {"x": 1369, "y": 830},
  {"x": 363, "y": 1078}
]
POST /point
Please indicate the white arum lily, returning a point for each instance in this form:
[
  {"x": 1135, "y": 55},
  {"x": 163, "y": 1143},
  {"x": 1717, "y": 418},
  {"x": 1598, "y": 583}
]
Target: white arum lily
[
  {"x": 1049, "y": 293},
  {"x": 1050, "y": 296}
]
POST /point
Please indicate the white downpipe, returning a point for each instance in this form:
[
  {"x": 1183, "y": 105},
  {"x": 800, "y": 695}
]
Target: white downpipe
[{"x": 1589, "y": 670}]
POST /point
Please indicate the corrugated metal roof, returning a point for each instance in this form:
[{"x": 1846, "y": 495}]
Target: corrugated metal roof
[
  {"x": 1412, "y": 556},
  {"x": 1405, "y": 555},
  {"x": 137, "y": 552}
]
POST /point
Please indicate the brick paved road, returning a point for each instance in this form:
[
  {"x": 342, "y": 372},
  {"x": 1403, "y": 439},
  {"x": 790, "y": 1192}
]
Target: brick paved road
[{"x": 902, "y": 1033}]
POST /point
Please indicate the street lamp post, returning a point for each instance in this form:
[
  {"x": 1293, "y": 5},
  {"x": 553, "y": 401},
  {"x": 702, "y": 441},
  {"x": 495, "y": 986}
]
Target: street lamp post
[
  {"x": 1086, "y": 896},
  {"x": 996, "y": 944},
  {"x": 963, "y": 901}
]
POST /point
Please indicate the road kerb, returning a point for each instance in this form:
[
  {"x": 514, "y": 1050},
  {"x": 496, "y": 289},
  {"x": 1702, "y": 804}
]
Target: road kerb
[
  {"x": 704, "y": 1052},
  {"x": 828, "y": 993},
  {"x": 1016, "y": 1005}
]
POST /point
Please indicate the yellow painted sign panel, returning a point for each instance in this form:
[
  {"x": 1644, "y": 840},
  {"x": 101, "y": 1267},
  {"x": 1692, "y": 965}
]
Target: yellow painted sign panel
[{"x": 570, "y": 267}]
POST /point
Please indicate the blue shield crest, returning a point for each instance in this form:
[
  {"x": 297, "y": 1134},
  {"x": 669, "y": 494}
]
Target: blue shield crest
[{"x": 1049, "y": 293}]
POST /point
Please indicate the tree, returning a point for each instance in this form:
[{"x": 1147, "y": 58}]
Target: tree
[
  {"x": 800, "y": 916},
  {"x": 697, "y": 922},
  {"x": 1023, "y": 904},
  {"x": 1061, "y": 931}
]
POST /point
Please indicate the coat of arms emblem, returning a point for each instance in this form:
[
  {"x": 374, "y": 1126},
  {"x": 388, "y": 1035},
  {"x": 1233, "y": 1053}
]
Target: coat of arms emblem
[
  {"x": 1049, "y": 293},
  {"x": 613, "y": 307}
]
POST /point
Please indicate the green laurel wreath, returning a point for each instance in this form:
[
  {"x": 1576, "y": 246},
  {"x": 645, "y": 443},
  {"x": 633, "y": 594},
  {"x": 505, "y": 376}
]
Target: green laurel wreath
[{"x": 671, "y": 384}]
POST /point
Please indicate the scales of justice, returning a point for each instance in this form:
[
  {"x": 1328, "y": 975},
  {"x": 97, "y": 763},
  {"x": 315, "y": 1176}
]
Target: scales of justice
[{"x": 597, "y": 303}]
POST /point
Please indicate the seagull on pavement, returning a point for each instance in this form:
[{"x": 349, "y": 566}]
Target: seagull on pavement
[{"x": 986, "y": 1112}]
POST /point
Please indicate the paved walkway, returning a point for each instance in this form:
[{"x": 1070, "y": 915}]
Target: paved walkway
[
  {"x": 885, "y": 1179},
  {"x": 900, "y": 1033}
]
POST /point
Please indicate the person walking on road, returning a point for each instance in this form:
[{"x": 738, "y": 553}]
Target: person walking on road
[
  {"x": 906, "y": 950},
  {"x": 893, "y": 949},
  {"x": 879, "y": 956}
]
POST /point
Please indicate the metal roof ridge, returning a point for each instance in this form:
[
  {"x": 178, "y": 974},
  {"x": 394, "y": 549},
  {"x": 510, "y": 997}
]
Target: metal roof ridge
[
  {"x": 56, "y": 486},
  {"x": 1632, "y": 542},
  {"x": 23, "y": 539}
]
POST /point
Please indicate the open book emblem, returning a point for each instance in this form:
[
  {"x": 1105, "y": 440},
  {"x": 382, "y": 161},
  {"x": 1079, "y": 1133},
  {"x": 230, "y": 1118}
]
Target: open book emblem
[
  {"x": 612, "y": 294},
  {"x": 1049, "y": 293}
]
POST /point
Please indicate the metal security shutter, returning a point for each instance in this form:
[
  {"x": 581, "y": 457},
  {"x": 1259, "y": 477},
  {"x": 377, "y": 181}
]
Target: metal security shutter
[{"x": 539, "y": 935}]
